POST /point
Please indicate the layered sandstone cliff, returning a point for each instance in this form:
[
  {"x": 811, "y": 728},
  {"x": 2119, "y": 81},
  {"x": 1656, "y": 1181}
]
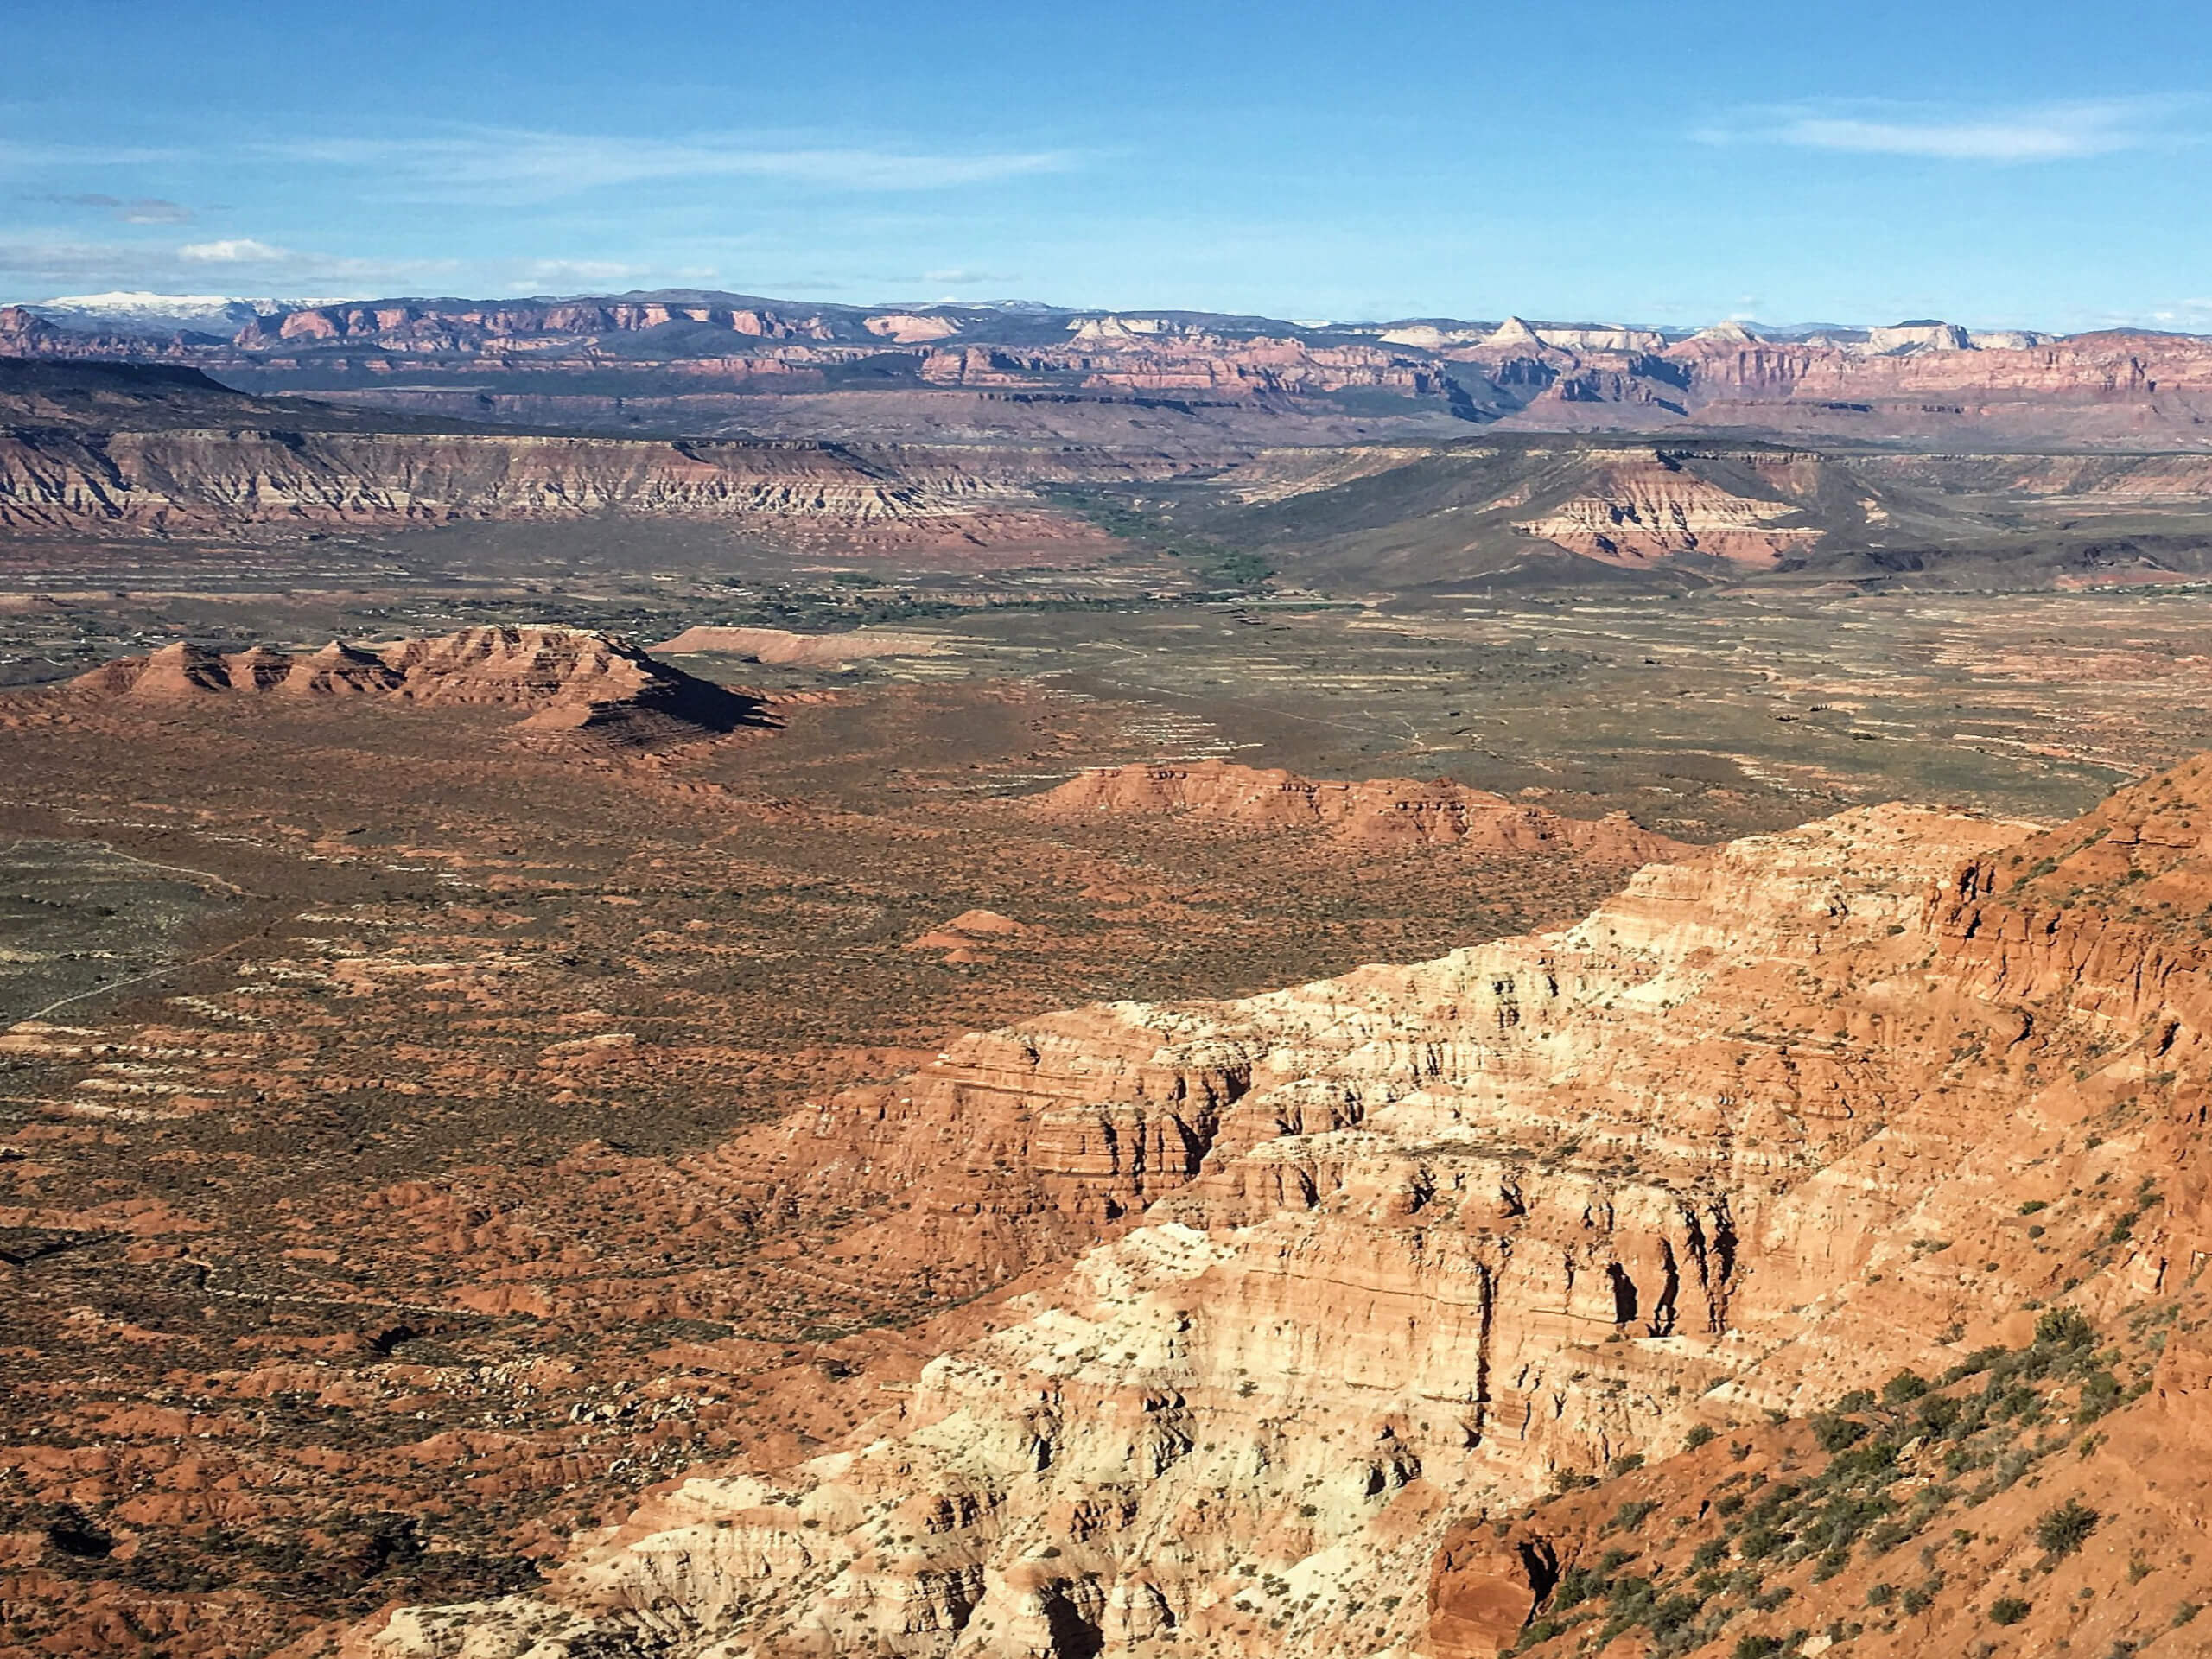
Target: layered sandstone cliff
[
  {"x": 1423, "y": 1242},
  {"x": 187, "y": 480}
]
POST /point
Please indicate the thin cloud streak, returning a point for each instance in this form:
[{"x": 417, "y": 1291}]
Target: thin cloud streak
[
  {"x": 509, "y": 164},
  {"x": 38, "y": 268},
  {"x": 2048, "y": 132},
  {"x": 139, "y": 210}
]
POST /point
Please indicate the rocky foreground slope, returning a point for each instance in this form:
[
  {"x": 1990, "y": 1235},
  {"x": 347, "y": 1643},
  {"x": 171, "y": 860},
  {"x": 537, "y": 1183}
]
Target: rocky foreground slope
[{"x": 1388, "y": 1258}]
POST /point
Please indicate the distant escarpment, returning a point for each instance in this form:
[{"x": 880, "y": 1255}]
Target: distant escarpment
[
  {"x": 138, "y": 448},
  {"x": 702, "y": 362},
  {"x": 1378, "y": 813},
  {"x": 208, "y": 480},
  {"x": 1387, "y": 1257},
  {"x": 569, "y": 682}
]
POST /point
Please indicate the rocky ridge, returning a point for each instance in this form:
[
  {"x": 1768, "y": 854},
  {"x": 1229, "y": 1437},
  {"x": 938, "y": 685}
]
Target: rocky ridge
[
  {"x": 1418, "y": 1244},
  {"x": 571, "y": 682},
  {"x": 1376, "y": 811},
  {"x": 188, "y": 480}
]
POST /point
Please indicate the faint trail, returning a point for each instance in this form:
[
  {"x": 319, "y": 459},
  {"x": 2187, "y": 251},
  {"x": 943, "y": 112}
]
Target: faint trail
[
  {"x": 122, "y": 984},
  {"x": 231, "y": 888},
  {"x": 181, "y": 869}
]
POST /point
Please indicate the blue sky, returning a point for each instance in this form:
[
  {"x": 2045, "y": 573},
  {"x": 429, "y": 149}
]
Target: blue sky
[{"x": 2032, "y": 163}]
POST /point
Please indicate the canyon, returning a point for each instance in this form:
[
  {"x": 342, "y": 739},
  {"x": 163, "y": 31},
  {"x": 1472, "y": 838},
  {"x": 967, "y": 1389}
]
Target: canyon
[{"x": 694, "y": 975}]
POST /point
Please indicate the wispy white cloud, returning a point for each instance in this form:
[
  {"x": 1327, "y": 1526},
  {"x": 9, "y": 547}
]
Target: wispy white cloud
[
  {"x": 32, "y": 267},
  {"x": 511, "y": 164},
  {"x": 964, "y": 277},
  {"x": 235, "y": 251},
  {"x": 137, "y": 210},
  {"x": 571, "y": 276},
  {"x": 19, "y": 155},
  {"x": 2046, "y": 132},
  {"x": 2177, "y": 316}
]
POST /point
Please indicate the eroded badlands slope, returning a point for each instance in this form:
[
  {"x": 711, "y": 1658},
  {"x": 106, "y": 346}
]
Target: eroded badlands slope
[
  {"x": 573, "y": 683},
  {"x": 1424, "y": 1242}
]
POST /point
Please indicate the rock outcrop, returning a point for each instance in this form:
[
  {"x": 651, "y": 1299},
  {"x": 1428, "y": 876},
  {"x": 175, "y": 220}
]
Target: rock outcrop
[
  {"x": 1376, "y": 811},
  {"x": 187, "y": 480},
  {"x": 1418, "y": 1244},
  {"x": 1636, "y": 513},
  {"x": 568, "y": 681}
]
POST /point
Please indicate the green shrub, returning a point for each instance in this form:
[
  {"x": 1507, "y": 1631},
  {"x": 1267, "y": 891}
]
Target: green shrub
[
  {"x": 1756, "y": 1646},
  {"x": 1762, "y": 1542},
  {"x": 2066, "y": 1528},
  {"x": 1631, "y": 1515},
  {"x": 2101, "y": 1392},
  {"x": 2008, "y": 1609},
  {"x": 1939, "y": 1413},
  {"x": 1834, "y": 1433},
  {"x": 1903, "y": 1389},
  {"x": 2064, "y": 1328},
  {"x": 1698, "y": 1435}
]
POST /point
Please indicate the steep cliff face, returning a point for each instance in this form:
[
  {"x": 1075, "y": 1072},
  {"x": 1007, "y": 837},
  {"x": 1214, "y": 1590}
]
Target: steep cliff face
[
  {"x": 1634, "y": 513},
  {"x": 1421, "y": 1242},
  {"x": 448, "y": 325},
  {"x": 567, "y": 681},
  {"x": 205, "y": 479},
  {"x": 2108, "y": 386}
]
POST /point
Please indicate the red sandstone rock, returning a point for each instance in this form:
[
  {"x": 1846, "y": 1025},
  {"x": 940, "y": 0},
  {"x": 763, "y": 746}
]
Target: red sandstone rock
[
  {"x": 568, "y": 680},
  {"x": 1383, "y": 811}
]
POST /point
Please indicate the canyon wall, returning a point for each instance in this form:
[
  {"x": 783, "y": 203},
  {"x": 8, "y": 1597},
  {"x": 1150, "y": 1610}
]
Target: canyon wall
[
  {"x": 1419, "y": 1243},
  {"x": 204, "y": 480}
]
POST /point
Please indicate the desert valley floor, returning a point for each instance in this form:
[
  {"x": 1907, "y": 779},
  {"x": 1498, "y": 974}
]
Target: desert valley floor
[{"x": 898, "y": 1056}]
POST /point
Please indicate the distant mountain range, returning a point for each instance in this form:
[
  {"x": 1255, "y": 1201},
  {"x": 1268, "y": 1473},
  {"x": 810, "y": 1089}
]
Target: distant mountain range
[
  {"x": 142, "y": 313},
  {"x": 682, "y": 363}
]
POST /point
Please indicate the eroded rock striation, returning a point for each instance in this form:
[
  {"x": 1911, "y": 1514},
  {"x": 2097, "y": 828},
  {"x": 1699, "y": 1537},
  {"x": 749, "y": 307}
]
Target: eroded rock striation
[{"x": 1388, "y": 1255}]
